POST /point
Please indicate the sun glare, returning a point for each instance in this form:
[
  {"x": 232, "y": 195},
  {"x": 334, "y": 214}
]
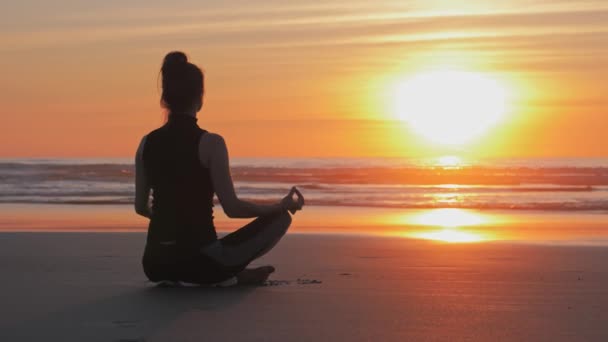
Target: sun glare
[
  {"x": 449, "y": 225},
  {"x": 449, "y": 218},
  {"x": 449, "y": 235},
  {"x": 450, "y": 107}
]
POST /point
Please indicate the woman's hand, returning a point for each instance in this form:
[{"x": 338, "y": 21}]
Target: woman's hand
[{"x": 288, "y": 202}]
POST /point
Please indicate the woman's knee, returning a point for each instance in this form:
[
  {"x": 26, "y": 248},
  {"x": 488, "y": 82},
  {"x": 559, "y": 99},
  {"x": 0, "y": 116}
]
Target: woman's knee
[
  {"x": 284, "y": 218},
  {"x": 279, "y": 221}
]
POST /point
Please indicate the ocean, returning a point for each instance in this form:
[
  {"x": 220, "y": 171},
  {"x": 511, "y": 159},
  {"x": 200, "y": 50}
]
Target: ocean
[{"x": 502, "y": 184}]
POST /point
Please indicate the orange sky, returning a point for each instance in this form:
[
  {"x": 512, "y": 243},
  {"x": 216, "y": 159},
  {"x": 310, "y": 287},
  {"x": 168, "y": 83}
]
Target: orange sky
[{"x": 299, "y": 79}]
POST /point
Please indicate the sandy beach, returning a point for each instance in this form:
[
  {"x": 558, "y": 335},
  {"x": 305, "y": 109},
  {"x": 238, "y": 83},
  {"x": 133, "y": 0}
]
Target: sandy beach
[{"x": 90, "y": 287}]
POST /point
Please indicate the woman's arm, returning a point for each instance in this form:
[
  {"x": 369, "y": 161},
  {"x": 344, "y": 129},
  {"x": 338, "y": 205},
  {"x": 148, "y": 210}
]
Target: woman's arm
[
  {"x": 142, "y": 189},
  {"x": 214, "y": 154}
]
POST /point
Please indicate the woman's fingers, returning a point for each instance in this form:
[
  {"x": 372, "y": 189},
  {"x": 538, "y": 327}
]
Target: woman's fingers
[
  {"x": 289, "y": 197},
  {"x": 300, "y": 197},
  {"x": 292, "y": 191},
  {"x": 292, "y": 204}
]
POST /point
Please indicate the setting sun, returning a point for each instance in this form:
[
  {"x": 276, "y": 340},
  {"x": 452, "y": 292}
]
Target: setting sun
[
  {"x": 450, "y": 107},
  {"x": 449, "y": 161}
]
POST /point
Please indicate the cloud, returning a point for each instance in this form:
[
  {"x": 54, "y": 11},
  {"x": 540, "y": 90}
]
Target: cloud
[{"x": 310, "y": 29}]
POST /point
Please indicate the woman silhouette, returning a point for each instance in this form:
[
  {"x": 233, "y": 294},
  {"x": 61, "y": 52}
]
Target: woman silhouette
[{"x": 181, "y": 166}]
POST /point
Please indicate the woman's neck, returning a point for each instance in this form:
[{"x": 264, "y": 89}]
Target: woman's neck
[{"x": 191, "y": 113}]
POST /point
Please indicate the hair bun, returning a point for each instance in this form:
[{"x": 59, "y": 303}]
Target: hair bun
[{"x": 175, "y": 58}]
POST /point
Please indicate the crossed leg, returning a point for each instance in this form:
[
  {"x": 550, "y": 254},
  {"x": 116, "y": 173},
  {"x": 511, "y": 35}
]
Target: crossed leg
[{"x": 250, "y": 242}]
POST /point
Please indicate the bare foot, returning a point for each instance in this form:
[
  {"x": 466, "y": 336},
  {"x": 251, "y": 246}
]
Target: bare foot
[{"x": 254, "y": 276}]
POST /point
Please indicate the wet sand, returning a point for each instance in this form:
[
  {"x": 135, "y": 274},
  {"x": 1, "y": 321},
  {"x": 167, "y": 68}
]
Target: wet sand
[
  {"x": 546, "y": 227},
  {"x": 90, "y": 287}
]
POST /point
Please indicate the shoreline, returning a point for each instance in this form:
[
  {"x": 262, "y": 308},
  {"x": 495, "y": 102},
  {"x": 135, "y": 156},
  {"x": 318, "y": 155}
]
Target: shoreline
[{"x": 489, "y": 225}]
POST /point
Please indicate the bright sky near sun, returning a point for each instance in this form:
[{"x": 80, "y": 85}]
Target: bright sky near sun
[{"x": 328, "y": 78}]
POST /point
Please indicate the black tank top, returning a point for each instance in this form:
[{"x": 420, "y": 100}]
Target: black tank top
[{"x": 182, "y": 192}]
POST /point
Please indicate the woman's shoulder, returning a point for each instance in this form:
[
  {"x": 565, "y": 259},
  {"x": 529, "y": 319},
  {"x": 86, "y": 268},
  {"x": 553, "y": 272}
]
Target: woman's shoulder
[
  {"x": 210, "y": 139},
  {"x": 154, "y": 134},
  {"x": 211, "y": 145}
]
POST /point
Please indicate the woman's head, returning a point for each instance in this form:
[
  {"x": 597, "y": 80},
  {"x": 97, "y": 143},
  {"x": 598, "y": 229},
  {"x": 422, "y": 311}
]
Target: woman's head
[{"x": 183, "y": 84}]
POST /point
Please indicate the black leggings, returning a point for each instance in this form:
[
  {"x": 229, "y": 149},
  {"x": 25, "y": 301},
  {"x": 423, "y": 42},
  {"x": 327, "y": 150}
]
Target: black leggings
[{"x": 222, "y": 259}]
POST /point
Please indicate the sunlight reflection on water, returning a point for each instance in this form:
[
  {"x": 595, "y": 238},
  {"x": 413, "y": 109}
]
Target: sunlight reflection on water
[{"x": 449, "y": 225}]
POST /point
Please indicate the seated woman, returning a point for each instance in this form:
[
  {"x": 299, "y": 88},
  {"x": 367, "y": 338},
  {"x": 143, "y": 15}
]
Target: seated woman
[{"x": 182, "y": 166}]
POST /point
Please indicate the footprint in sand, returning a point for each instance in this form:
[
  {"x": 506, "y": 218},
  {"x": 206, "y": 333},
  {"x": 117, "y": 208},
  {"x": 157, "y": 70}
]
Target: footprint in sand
[
  {"x": 299, "y": 281},
  {"x": 276, "y": 282},
  {"x": 308, "y": 281}
]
